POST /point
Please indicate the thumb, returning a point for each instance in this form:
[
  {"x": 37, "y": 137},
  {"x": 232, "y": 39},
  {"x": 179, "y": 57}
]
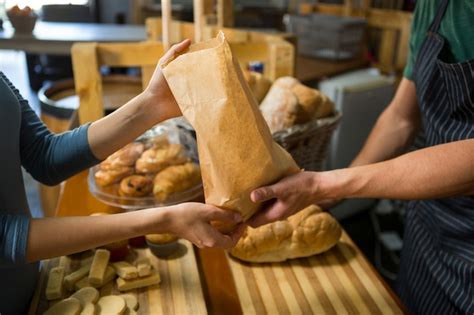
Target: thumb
[
  {"x": 182, "y": 46},
  {"x": 263, "y": 194},
  {"x": 175, "y": 50}
]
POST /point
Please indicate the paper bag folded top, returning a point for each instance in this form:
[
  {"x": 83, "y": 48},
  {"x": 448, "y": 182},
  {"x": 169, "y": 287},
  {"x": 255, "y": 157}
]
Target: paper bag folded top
[{"x": 236, "y": 151}]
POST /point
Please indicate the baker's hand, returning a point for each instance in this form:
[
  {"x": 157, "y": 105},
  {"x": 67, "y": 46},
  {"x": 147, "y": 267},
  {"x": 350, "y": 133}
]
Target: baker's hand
[
  {"x": 192, "y": 221},
  {"x": 284, "y": 198},
  {"x": 158, "y": 88}
]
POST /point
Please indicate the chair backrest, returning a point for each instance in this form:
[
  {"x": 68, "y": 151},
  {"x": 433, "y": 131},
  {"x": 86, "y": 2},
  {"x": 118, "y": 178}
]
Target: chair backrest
[
  {"x": 87, "y": 58},
  {"x": 273, "y": 50}
]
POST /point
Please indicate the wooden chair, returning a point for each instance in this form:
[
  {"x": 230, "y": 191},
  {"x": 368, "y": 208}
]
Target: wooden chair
[
  {"x": 87, "y": 59},
  {"x": 276, "y": 53}
]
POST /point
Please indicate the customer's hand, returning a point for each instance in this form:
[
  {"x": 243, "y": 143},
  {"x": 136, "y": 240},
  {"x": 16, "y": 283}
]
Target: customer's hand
[
  {"x": 158, "y": 88},
  {"x": 284, "y": 198},
  {"x": 192, "y": 221}
]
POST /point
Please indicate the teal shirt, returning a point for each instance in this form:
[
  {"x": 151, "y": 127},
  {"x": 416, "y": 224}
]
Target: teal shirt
[{"x": 457, "y": 28}]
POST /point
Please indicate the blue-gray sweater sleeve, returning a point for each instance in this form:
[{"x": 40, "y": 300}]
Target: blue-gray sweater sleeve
[
  {"x": 51, "y": 158},
  {"x": 13, "y": 238}
]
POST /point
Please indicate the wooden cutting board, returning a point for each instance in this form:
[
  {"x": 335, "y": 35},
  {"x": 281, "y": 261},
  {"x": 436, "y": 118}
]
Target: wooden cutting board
[
  {"x": 339, "y": 281},
  {"x": 180, "y": 290}
]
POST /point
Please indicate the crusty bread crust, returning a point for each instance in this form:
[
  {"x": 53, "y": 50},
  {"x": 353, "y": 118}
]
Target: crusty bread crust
[{"x": 308, "y": 232}]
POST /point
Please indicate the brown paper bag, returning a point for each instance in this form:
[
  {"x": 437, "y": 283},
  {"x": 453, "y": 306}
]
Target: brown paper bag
[{"x": 236, "y": 151}]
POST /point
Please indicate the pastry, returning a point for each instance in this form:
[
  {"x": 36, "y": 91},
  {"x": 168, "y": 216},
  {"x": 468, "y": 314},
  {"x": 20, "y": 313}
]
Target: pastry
[
  {"x": 112, "y": 176},
  {"x": 130, "y": 300},
  {"x": 130, "y": 311},
  {"x": 127, "y": 156},
  {"x": 144, "y": 268},
  {"x": 160, "y": 141},
  {"x": 175, "y": 179},
  {"x": 125, "y": 270},
  {"x": 155, "y": 159},
  {"x": 126, "y": 285},
  {"x": 308, "y": 232},
  {"x": 69, "y": 306},
  {"x": 71, "y": 279},
  {"x": 135, "y": 186},
  {"x": 86, "y": 295},
  {"x": 109, "y": 275},
  {"x": 98, "y": 267},
  {"x": 111, "y": 305},
  {"x": 88, "y": 309},
  {"x": 81, "y": 284},
  {"x": 54, "y": 287},
  {"x": 107, "y": 289}
]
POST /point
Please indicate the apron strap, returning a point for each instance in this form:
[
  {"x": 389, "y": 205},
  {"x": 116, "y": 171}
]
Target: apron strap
[{"x": 439, "y": 16}]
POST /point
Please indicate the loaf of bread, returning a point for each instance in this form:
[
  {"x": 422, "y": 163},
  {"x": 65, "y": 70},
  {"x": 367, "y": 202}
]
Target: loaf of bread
[
  {"x": 289, "y": 103},
  {"x": 308, "y": 232},
  {"x": 280, "y": 108}
]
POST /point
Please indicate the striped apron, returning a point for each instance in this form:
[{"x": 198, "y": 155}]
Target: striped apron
[{"x": 437, "y": 262}]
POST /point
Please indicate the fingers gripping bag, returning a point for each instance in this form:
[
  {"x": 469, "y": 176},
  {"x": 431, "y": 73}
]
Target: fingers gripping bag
[{"x": 236, "y": 150}]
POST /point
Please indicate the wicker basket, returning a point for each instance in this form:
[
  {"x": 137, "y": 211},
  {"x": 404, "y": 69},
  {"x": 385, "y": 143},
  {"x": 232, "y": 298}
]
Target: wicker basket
[{"x": 308, "y": 143}]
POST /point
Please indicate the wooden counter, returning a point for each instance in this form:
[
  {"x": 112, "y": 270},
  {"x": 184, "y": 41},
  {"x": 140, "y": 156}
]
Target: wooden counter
[
  {"x": 57, "y": 38},
  {"x": 340, "y": 281}
]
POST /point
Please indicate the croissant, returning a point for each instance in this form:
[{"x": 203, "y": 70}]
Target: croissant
[
  {"x": 155, "y": 159},
  {"x": 112, "y": 175},
  {"x": 308, "y": 232},
  {"x": 174, "y": 179},
  {"x": 127, "y": 156}
]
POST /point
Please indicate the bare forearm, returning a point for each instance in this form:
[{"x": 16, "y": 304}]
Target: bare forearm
[
  {"x": 52, "y": 237},
  {"x": 112, "y": 132},
  {"x": 436, "y": 172},
  {"x": 151, "y": 107},
  {"x": 395, "y": 129}
]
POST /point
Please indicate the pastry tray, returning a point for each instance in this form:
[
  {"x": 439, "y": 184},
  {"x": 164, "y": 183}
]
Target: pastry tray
[{"x": 177, "y": 132}]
